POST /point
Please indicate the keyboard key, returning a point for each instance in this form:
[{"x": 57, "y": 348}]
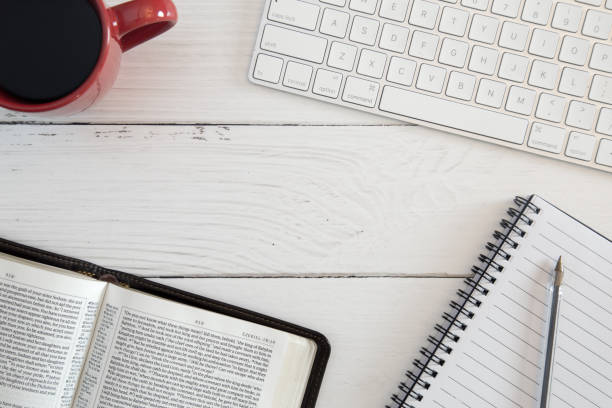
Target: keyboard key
[
  {"x": 601, "y": 58},
  {"x": 268, "y": 68},
  {"x": 550, "y": 107},
  {"x": 490, "y": 93},
  {"x": 483, "y": 29},
  {"x": 340, "y": 3},
  {"x": 394, "y": 9},
  {"x": 424, "y": 14},
  {"x": 604, "y": 123},
  {"x": 394, "y": 38},
  {"x": 360, "y": 92},
  {"x": 454, "y": 21},
  {"x": 574, "y": 82},
  {"x": 334, "y": 23},
  {"x": 460, "y": 85},
  {"x": 423, "y": 45},
  {"x": 431, "y": 78},
  {"x": 580, "y": 146},
  {"x": 297, "y": 76},
  {"x": 574, "y": 50},
  {"x": 327, "y": 83},
  {"x": 364, "y": 30},
  {"x": 371, "y": 63},
  {"x": 514, "y": 36},
  {"x": 476, "y": 4},
  {"x": 507, "y": 8},
  {"x": 520, "y": 100},
  {"x": 543, "y": 43},
  {"x": 536, "y": 11},
  {"x": 580, "y": 115},
  {"x": 567, "y": 17},
  {"x": 546, "y": 137},
  {"x": 543, "y": 74},
  {"x": 342, "y": 56},
  {"x": 596, "y": 3},
  {"x": 294, "y": 44},
  {"x": 295, "y": 13},
  {"x": 513, "y": 67},
  {"x": 597, "y": 24},
  {"x": 401, "y": 71},
  {"x": 365, "y": 6},
  {"x": 601, "y": 89},
  {"x": 457, "y": 115},
  {"x": 453, "y": 52},
  {"x": 604, "y": 154},
  {"x": 483, "y": 60}
]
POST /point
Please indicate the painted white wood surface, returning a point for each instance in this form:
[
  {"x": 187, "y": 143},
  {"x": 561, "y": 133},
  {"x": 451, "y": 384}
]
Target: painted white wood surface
[
  {"x": 274, "y": 200},
  {"x": 197, "y": 73},
  {"x": 375, "y": 326},
  {"x": 266, "y": 201}
]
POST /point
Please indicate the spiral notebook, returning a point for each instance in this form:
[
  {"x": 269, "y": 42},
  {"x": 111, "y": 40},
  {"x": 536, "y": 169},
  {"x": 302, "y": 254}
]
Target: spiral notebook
[{"x": 488, "y": 350}]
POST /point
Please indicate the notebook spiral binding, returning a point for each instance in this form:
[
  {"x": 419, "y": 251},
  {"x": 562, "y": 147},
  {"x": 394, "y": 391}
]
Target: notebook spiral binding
[{"x": 463, "y": 308}]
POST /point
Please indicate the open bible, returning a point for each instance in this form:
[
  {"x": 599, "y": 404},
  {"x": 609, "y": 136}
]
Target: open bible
[{"x": 69, "y": 340}]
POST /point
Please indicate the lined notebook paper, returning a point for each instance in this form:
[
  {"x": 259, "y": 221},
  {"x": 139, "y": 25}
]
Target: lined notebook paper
[{"x": 490, "y": 350}]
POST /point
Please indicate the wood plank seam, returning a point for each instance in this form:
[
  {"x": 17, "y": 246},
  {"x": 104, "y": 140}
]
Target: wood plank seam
[
  {"x": 314, "y": 276},
  {"x": 323, "y": 125}
]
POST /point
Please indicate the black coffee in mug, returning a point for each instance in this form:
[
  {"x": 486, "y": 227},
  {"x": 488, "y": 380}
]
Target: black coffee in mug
[{"x": 48, "y": 48}]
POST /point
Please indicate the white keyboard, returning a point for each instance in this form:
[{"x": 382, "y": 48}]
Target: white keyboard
[{"x": 534, "y": 75}]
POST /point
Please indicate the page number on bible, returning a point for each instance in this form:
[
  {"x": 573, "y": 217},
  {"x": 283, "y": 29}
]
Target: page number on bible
[{"x": 9, "y": 275}]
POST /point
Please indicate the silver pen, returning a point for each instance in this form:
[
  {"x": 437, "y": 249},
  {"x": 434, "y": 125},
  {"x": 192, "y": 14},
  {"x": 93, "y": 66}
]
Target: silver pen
[{"x": 552, "y": 331}]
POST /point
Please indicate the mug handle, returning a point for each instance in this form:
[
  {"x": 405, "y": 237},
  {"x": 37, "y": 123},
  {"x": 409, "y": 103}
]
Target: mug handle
[{"x": 138, "y": 21}]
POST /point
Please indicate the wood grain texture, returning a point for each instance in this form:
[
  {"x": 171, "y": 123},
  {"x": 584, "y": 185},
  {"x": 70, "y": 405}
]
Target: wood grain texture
[
  {"x": 375, "y": 326},
  {"x": 263, "y": 201},
  {"x": 273, "y": 201},
  {"x": 197, "y": 73}
]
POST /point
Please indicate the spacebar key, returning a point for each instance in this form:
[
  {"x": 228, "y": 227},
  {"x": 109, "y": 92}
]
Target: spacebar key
[{"x": 453, "y": 114}]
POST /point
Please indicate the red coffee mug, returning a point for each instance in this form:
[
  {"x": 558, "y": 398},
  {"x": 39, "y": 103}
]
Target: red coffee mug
[{"x": 124, "y": 27}]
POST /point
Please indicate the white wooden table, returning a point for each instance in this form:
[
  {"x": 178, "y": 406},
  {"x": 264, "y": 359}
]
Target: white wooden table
[{"x": 351, "y": 224}]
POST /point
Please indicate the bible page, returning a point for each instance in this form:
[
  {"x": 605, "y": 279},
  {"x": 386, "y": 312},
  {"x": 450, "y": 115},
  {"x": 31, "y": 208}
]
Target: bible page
[
  {"x": 46, "y": 321},
  {"x": 155, "y": 353}
]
